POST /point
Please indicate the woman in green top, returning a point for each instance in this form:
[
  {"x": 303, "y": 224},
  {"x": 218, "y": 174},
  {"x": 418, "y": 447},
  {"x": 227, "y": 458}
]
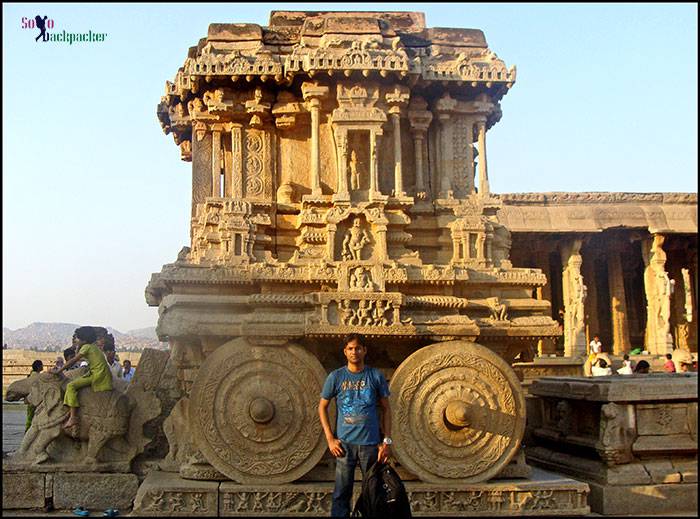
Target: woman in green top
[{"x": 98, "y": 376}]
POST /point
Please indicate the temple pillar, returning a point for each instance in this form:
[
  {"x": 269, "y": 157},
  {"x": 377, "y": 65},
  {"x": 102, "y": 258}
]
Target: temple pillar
[
  {"x": 397, "y": 99},
  {"x": 374, "y": 140},
  {"x": 236, "y": 161},
  {"x": 588, "y": 270},
  {"x": 341, "y": 147},
  {"x": 483, "y": 170},
  {"x": 657, "y": 287},
  {"x": 201, "y": 167},
  {"x": 618, "y": 303},
  {"x": 398, "y": 174},
  {"x": 216, "y": 163},
  {"x": 313, "y": 93},
  {"x": 574, "y": 292},
  {"x": 419, "y": 118},
  {"x": 445, "y": 105},
  {"x": 471, "y": 186}
]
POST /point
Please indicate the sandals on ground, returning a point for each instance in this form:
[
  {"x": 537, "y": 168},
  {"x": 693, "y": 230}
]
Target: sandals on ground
[{"x": 79, "y": 510}]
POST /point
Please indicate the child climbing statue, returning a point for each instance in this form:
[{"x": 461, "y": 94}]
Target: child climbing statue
[{"x": 98, "y": 376}]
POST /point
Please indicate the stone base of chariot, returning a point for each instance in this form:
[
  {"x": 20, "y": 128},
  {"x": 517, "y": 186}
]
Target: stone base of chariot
[
  {"x": 633, "y": 439},
  {"x": 65, "y": 491},
  {"x": 543, "y": 494}
]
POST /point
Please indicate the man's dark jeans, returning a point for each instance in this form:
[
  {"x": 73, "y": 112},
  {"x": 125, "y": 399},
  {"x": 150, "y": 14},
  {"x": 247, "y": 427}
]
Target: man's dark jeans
[{"x": 365, "y": 455}]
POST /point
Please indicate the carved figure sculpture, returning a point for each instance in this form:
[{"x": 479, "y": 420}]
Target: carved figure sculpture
[
  {"x": 347, "y": 314},
  {"x": 104, "y": 415},
  {"x": 364, "y": 313},
  {"x": 354, "y": 175},
  {"x": 359, "y": 280},
  {"x": 355, "y": 239},
  {"x": 380, "y": 318},
  {"x": 497, "y": 308}
]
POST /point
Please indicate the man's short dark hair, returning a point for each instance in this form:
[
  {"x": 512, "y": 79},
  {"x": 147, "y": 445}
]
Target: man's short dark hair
[
  {"x": 100, "y": 331},
  {"x": 127, "y": 360},
  {"x": 37, "y": 365},
  {"x": 602, "y": 363},
  {"x": 109, "y": 342},
  {"x": 85, "y": 334},
  {"x": 69, "y": 353},
  {"x": 354, "y": 337},
  {"x": 669, "y": 356}
]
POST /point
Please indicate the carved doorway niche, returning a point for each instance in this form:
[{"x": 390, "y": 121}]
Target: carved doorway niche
[{"x": 358, "y": 164}]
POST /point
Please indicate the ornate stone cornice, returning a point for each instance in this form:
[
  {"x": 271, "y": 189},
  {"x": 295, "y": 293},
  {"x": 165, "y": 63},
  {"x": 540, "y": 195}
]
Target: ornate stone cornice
[{"x": 597, "y": 198}]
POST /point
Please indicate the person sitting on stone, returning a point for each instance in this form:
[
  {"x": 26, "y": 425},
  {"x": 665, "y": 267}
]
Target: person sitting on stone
[
  {"x": 642, "y": 368},
  {"x": 37, "y": 367},
  {"x": 601, "y": 368},
  {"x": 669, "y": 366},
  {"x": 595, "y": 347},
  {"x": 98, "y": 376},
  {"x": 626, "y": 368},
  {"x": 110, "y": 354},
  {"x": 128, "y": 370}
]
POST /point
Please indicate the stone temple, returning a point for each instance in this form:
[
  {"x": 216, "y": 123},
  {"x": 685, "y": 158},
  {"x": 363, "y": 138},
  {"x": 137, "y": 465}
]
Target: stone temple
[{"x": 340, "y": 184}]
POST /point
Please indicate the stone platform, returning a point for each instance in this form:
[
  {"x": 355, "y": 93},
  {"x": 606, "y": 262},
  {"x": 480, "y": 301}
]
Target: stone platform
[
  {"x": 632, "y": 438},
  {"x": 165, "y": 493}
]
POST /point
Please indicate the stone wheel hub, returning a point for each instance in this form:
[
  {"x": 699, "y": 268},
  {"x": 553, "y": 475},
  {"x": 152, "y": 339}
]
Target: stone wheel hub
[
  {"x": 458, "y": 413},
  {"x": 254, "y": 412}
]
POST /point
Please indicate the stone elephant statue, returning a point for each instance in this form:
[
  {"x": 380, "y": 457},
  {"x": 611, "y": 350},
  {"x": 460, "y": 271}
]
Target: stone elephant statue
[{"x": 103, "y": 416}]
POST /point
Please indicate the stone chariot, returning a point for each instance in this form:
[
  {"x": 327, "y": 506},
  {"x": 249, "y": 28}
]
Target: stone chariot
[{"x": 340, "y": 184}]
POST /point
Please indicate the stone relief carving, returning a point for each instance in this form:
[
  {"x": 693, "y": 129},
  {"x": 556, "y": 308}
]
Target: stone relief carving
[
  {"x": 354, "y": 241},
  {"x": 111, "y": 423},
  {"x": 616, "y": 435}
]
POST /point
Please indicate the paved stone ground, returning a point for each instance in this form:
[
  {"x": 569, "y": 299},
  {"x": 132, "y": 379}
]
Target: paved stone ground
[{"x": 13, "y": 418}]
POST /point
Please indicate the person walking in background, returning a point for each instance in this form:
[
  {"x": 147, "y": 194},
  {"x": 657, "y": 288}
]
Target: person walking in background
[
  {"x": 98, "y": 375},
  {"x": 669, "y": 366},
  {"x": 37, "y": 367},
  {"x": 128, "y": 370}
]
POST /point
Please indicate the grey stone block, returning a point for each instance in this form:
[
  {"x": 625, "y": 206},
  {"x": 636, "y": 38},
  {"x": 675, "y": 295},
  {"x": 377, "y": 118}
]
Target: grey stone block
[
  {"x": 22, "y": 490},
  {"x": 94, "y": 490}
]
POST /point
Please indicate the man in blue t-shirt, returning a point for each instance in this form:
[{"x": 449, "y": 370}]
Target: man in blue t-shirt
[{"x": 357, "y": 389}]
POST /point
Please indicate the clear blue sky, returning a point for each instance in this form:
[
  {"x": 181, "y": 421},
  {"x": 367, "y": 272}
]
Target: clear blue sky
[{"x": 95, "y": 197}]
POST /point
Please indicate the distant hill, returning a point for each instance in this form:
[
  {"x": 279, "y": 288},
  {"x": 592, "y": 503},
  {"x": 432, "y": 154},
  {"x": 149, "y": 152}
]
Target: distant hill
[{"x": 57, "y": 337}]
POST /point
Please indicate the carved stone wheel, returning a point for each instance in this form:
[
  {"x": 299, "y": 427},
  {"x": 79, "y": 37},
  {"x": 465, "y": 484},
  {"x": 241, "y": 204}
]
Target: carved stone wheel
[
  {"x": 458, "y": 413},
  {"x": 253, "y": 412}
]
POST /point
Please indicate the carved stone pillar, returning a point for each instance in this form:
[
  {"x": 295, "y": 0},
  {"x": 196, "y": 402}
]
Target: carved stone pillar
[
  {"x": 313, "y": 93},
  {"x": 341, "y": 143},
  {"x": 419, "y": 118},
  {"x": 445, "y": 105},
  {"x": 398, "y": 174},
  {"x": 397, "y": 99},
  {"x": 483, "y": 169},
  {"x": 471, "y": 188},
  {"x": 374, "y": 141},
  {"x": 574, "y": 292},
  {"x": 201, "y": 167},
  {"x": 618, "y": 303},
  {"x": 445, "y": 156},
  {"x": 657, "y": 287},
  {"x": 216, "y": 163},
  {"x": 237, "y": 161}
]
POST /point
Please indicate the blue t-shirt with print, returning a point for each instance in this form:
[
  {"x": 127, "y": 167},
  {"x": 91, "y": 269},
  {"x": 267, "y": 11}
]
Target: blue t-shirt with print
[{"x": 356, "y": 397}]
